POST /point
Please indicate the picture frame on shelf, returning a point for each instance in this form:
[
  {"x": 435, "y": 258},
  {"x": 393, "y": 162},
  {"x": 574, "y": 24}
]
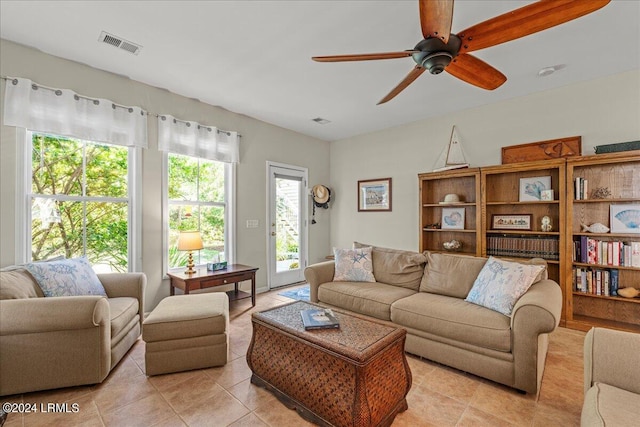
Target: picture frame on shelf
[
  {"x": 547, "y": 195},
  {"x": 374, "y": 195},
  {"x": 453, "y": 218},
  {"x": 531, "y": 188},
  {"x": 625, "y": 219},
  {"x": 511, "y": 222}
]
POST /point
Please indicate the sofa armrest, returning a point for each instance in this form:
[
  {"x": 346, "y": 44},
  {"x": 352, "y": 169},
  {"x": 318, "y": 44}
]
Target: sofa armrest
[
  {"x": 37, "y": 315},
  {"x": 611, "y": 357},
  {"x": 546, "y": 295},
  {"x": 536, "y": 314},
  {"x": 318, "y": 274},
  {"x": 126, "y": 285}
]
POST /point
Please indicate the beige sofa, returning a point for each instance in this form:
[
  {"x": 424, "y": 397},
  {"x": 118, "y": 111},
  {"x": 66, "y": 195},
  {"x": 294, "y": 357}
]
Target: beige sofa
[
  {"x": 58, "y": 342},
  {"x": 424, "y": 293},
  {"x": 611, "y": 378}
]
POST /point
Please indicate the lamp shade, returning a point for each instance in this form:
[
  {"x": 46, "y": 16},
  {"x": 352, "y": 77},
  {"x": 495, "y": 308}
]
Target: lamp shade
[{"x": 189, "y": 241}]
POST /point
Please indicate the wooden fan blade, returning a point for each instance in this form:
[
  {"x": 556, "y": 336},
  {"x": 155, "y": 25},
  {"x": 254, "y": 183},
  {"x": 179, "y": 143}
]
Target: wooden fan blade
[
  {"x": 435, "y": 18},
  {"x": 413, "y": 74},
  {"x": 524, "y": 21},
  {"x": 475, "y": 71},
  {"x": 364, "y": 57}
]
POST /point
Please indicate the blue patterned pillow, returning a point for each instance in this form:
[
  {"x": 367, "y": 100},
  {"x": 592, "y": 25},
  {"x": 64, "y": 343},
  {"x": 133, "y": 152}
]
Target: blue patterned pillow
[
  {"x": 64, "y": 278},
  {"x": 501, "y": 283},
  {"x": 353, "y": 265}
]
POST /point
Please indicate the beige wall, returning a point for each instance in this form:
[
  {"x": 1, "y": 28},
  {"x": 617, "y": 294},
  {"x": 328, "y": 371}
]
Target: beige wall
[
  {"x": 602, "y": 111},
  {"x": 260, "y": 142}
]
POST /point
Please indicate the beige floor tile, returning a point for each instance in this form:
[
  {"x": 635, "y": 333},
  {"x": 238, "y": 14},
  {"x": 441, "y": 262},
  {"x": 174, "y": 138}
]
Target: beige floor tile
[
  {"x": 111, "y": 397},
  {"x": 145, "y": 412},
  {"x": 547, "y": 416},
  {"x": 433, "y": 407},
  {"x": 505, "y": 404},
  {"x": 220, "y": 410},
  {"x": 451, "y": 383},
  {"x": 250, "y": 395},
  {"x": 231, "y": 374},
  {"x": 473, "y": 417},
  {"x": 250, "y": 420}
]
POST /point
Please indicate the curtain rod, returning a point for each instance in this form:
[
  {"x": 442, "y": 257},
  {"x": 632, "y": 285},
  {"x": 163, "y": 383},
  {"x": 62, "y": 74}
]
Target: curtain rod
[{"x": 58, "y": 92}]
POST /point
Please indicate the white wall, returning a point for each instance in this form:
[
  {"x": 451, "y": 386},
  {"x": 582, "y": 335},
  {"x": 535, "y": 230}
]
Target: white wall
[
  {"x": 602, "y": 111},
  {"x": 260, "y": 142}
]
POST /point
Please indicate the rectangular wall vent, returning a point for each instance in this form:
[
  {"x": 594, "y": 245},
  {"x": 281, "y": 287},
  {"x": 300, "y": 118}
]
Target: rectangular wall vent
[{"x": 119, "y": 42}]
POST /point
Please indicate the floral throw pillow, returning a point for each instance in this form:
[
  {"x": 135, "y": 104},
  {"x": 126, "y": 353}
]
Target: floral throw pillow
[
  {"x": 353, "y": 265},
  {"x": 68, "y": 277},
  {"x": 501, "y": 283}
]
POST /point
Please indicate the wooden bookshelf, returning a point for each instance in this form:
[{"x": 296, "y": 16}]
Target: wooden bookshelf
[
  {"x": 433, "y": 187},
  {"x": 620, "y": 174},
  {"x": 495, "y": 190}
]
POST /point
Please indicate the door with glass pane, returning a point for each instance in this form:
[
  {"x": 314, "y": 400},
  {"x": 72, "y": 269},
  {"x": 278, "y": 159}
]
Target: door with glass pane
[{"x": 287, "y": 224}]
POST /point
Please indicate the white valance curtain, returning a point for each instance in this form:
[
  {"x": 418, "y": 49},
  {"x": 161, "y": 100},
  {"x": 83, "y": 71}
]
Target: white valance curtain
[
  {"x": 64, "y": 112},
  {"x": 193, "y": 139}
]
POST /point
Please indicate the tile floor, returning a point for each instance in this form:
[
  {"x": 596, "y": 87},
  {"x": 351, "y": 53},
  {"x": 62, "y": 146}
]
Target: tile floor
[{"x": 223, "y": 396}]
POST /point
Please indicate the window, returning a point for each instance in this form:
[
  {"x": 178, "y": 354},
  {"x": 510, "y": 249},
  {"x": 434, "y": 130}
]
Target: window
[
  {"x": 199, "y": 192},
  {"x": 79, "y": 201}
]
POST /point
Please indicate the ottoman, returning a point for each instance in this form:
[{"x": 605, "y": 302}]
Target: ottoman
[{"x": 187, "y": 332}]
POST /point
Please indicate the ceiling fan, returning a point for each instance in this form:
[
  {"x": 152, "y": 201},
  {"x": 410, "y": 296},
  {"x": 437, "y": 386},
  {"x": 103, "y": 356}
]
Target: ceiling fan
[{"x": 442, "y": 50}]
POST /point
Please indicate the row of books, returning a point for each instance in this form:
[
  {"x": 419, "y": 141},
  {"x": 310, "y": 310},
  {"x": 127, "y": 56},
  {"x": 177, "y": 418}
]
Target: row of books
[
  {"x": 596, "y": 281},
  {"x": 582, "y": 190},
  {"x": 523, "y": 246},
  {"x": 603, "y": 252}
]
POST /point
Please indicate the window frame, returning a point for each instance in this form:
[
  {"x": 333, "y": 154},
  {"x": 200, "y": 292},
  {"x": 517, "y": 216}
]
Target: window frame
[
  {"x": 24, "y": 196},
  {"x": 229, "y": 212}
]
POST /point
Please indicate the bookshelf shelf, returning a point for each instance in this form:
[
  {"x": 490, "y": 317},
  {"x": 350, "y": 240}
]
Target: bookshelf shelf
[
  {"x": 440, "y": 230},
  {"x": 584, "y": 323},
  {"x": 545, "y": 202},
  {"x": 588, "y": 295},
  {"x": 621, "y": 200},
  {"x": 525, "y": 232},
  {"x": 446, "y": 205},
  {"x": 606, "y": 266}
]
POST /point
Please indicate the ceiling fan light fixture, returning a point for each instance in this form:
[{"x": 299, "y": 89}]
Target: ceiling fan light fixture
[{"x": 436, "y": 62}]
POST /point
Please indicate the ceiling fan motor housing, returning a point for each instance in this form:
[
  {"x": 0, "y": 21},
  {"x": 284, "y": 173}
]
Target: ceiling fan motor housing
[{"x": 434, "y": 55}]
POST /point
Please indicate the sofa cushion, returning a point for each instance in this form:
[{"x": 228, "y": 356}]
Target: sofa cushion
[
  {"x": 450, "y": 274},
  {"x": 17, "y": 283},
  {"x": 68, "y": 277},
  {"x": 122, "y": 311},
  {"x": 353, "y": 265},
  {"x": 455, "y": 319},
  {"x": 396, "y": 267},
  {"x": 501, "y": 283},
  {"x": 605, "y": 405},
  {"x": 371, "y": 299}
]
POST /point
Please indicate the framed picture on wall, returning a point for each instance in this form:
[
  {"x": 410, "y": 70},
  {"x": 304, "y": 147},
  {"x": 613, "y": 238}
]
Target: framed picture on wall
[{"x": 374, "y": 195}]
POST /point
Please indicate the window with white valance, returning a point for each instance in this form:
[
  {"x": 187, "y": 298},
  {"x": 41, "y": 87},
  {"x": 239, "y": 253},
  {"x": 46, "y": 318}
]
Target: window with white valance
[
  {"x": 196, "y": 140},
  {"x": 63, "y": 112}
]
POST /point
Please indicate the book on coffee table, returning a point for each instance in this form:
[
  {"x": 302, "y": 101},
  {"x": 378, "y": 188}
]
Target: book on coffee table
[{"x": 319, "y": 318}]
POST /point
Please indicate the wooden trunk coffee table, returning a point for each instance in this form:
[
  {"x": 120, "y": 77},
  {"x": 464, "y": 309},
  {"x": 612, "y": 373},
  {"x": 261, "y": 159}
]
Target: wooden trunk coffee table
[{"x": 355, "y": 376}]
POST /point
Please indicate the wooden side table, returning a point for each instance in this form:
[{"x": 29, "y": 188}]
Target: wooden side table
[{"x": 202, "y": 278}]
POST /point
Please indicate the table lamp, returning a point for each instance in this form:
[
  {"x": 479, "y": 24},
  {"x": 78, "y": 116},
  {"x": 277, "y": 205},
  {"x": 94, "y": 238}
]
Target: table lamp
[{"x": 190, "y": 241}]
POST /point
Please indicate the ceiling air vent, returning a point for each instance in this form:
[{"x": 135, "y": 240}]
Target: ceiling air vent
[{"x": 119, "y": 42}]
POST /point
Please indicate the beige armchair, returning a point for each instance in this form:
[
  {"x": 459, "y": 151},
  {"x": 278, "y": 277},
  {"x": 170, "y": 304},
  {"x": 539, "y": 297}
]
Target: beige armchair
[
  {"x": 59, "y": 342},
  {"x": 611, "y": 378}
]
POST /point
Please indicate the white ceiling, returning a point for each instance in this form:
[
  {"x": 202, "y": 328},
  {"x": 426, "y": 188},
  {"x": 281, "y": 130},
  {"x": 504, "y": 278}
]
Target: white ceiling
[{"x": 254, "y": 57}]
